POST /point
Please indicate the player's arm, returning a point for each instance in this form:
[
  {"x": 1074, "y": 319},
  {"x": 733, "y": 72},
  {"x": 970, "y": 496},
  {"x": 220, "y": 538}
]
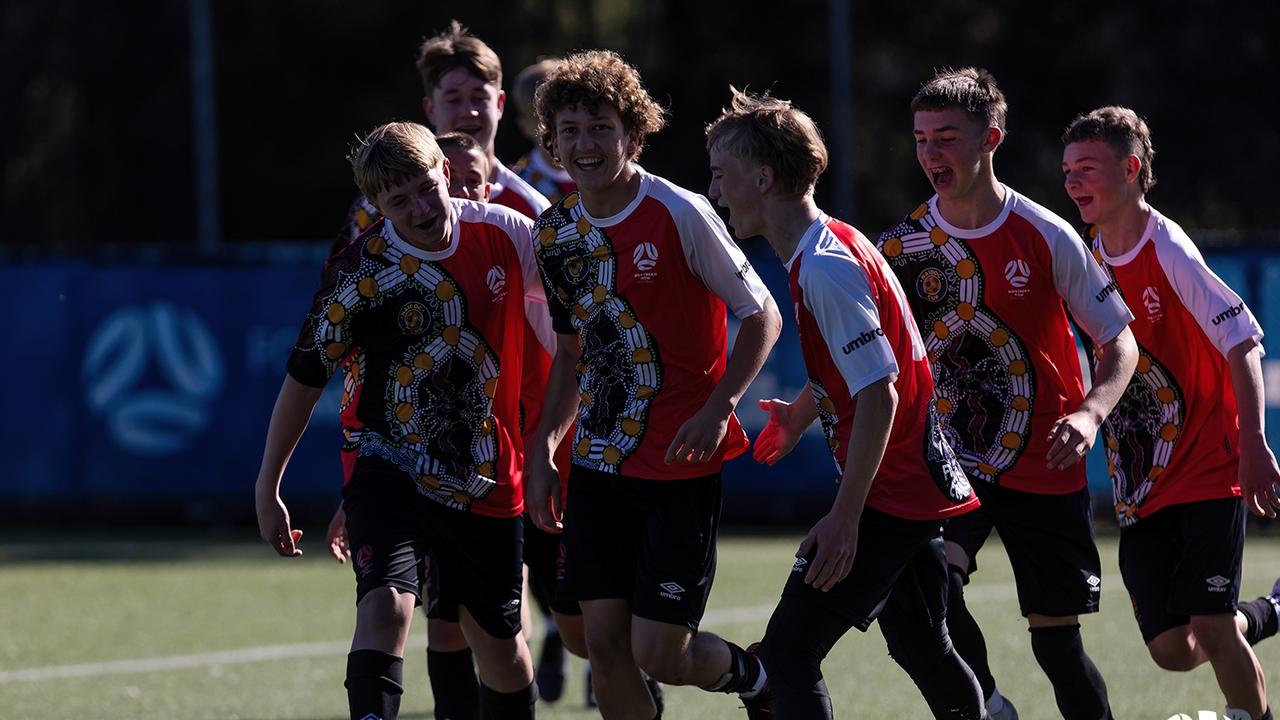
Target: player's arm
[
  {"x": 1258, "y": 471},
  {"x": 542, "y": 482},
  {"x": 787, "y": 422},
  {"x": 697, "y": 439},
  {"x": 836, "y": 534},
  {"x": 1073, "y": 435},
  {"x": 1098, "y": 308},
  {"x": 288, "y": 420}
]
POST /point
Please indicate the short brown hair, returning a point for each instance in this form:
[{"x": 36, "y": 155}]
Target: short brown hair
[
  {"x": 773, "y": 132},
  {"x": 392, "y": 154},
  {"x": 457, "y": 48},
  {"x": 973, "y": 90},
  {"x": 1123, "y": 130},
  {"x": 459, "y": 140},
  {"x": 525, "y": 86},
  {"x": 589, "y": 79}
]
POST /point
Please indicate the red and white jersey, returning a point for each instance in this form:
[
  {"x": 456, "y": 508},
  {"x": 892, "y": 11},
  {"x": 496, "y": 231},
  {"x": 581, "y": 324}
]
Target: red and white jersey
[
  {"x": 551, "y": 181},
  {"x": 511, "y": 191},
  {"x": 441, "y": 336},
  {"x": 1173, "y": 437},
  {"x": 855, "y": 329},
  {"x": 991, "y": 306},
  {"x": 645, "y": 291}
]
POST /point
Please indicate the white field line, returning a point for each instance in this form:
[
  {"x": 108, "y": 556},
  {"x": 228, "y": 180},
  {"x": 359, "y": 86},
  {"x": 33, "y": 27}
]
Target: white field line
[{"x": 713, "y": 617}]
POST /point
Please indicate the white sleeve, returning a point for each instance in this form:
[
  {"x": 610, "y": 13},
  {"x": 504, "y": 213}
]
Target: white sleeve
[
  {"x": 837, "y": 291},
  {"x": 716, "y": 260},
  {"x": 520, "y": 230},
  {"x": 1218, "y": 309},
  {"x": 1092, "y": 298}
]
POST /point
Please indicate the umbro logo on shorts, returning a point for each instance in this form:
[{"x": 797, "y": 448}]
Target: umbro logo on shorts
[
  {"x": 1217, "y": 583},
  {"x": 671, "y": 590},
  {"x": 371, "y": 716},
  {"x": 799, "y": 564},
  {"x": 1094, "y": 582}
]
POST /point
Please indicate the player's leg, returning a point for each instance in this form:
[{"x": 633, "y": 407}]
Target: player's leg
[
  {"x": 963, "y": 537},
  {"x": 915, "y": 629},
  {"x": 479, "y": 561},
  {"x": 450, "y": 664},
  {"x": 619, "y": 685},
  {"x": 387, "y": 552},
  {"x": 1056, "y": 567},
  {"x": 541, "y": 551}
]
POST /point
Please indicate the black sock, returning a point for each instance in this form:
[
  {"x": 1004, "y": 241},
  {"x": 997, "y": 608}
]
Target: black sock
[
  {"x": 744, "y": 671},
  {"x": 1077, "y": 685},
  {"x": 1266, "y": 715},
  {"x": 1261, "y": 617},
  {"x": 374, "y": 684},
  {"x": 453, "y": 684},
  {"x": 966, "y": 636},
  {"x": 508, "y": 706}
]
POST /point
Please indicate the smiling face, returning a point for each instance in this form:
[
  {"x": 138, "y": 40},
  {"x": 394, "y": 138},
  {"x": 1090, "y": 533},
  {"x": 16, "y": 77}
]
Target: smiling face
[
  {"x": 1098, "y": 179},
  {"x": 734, "y": 187},
  {"x": 950, "y": 147},
  {"x": 468, "y": 173},
  {"x": 419, "y": 209},
  {"x": 462, "y": 102},
  {"x": 594, "y": 146}
]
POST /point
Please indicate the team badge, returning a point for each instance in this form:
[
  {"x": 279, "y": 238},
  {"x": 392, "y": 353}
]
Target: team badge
[
  {"x": 413, "y": 318},
  {"x": 931, "y": 284}
]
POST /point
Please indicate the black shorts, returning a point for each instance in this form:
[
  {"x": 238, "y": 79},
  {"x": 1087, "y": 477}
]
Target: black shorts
[
  {"x": 889, "y": 549},
  {"x": 542, "y": 556},
  {"x": 475, "y": 560},
  {"x": 1184, "y": 560},
  {"x": 1049, "y": 539},
  {"x": 651, "y": 542}
]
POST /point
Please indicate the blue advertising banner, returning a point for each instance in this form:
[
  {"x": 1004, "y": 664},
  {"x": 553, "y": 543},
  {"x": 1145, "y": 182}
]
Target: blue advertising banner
[{"x": 158, "y": 381}]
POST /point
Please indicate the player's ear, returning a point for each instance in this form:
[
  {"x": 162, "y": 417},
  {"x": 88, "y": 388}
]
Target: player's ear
[
  {"x": 765, "y": 178},
  {"x": 633, "y": 145},
  {"x": 992, "y": 139},
  {"x": 502, "y": 102},
  {"x": 1132, "y": 167},
  {"x": 445, "y": 168}
]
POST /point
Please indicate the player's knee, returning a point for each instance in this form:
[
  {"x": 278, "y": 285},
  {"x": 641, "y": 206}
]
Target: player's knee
[
  {"x": 915, "y": 646},
  {"x": 608, "y": 650},
  {"x": 1217, "y": 634},
  {"x": 445, "y": 636},
  {"x": 1173, "y": 659},
  {"x": 572, "y": 633},
  {"x": 663, "y": 662},
  {"x": 790, "y": 661}
]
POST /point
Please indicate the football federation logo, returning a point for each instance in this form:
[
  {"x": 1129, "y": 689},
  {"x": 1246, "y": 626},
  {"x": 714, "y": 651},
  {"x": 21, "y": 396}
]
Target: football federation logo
[
  {"x": 931, "y": 284},
  {"x": 1017, "y": 272},
  {"x": 645, "y": 256},
  {"x": 413, "y": 318},
  {"x": 1151, "y": 299},
  {"x": 497, "y": 281}
]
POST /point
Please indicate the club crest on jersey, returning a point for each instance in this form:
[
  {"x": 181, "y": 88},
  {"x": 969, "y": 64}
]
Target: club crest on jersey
[
  {"x": 931, "y": 284},
  {"x": 497, "y": 281},
  {"x": 645, "y": 256},
  {"x": 1018, "y": 273},
  {"x": 413, "y": 318}
]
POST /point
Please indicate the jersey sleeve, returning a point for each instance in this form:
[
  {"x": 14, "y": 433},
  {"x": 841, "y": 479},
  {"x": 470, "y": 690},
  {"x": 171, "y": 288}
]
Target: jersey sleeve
[
  {"x": 1217, "y": 309},
  {"x": 717, "y": 261},
  {"x": 326, "y": 337},
  {"x": 1091, "y": 296},
  {"x": 520, "y": 230},
  {"x": 838, "y": 292}
]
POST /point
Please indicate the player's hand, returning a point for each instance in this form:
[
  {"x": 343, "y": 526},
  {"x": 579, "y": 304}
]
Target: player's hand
[
  {"x": 336, "y": 536},
  {"x": 697, "y": 439},
  {"x": 542, "y": 498},
  {"x": 1258, "y": 477},
  {"x": 273, "y": 526},
  {"x": 1070, "y": 439},
  {"x": 780, "y": 434},
  {"x": 836, "y": 537}
]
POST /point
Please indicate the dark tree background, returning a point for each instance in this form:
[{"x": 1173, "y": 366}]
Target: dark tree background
[{"x": 97, "y": 126}]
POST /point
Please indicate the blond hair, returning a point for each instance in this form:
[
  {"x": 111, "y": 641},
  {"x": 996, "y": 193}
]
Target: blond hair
[
  {"x": 775, "y": 133},
  {"x": 392, "y": 154}
]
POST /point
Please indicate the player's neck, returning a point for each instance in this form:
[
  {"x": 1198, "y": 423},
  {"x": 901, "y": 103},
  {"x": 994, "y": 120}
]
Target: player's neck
[
  {"x": 493, "y": 166},
  {"x": 786, "y": 221},
  {"x": 1123, "y": 231},
  {"x": 613, "y": 198},
  {"x": 976, "y": 208}
]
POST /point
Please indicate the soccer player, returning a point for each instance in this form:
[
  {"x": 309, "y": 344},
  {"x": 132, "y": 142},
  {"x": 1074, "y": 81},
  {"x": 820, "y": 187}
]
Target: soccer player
[
  {"x": 639, "y": 272},
  {"x": 1182, "y": 448},
  {"x": 468, "y": 167},
  {"x": 990, "y": 275},
  {"x": 438, "y": 459},
  {"x": 878, "y": 552},
  {"x": 537, "y": 167},
  {"x": 462, "y": 77}
]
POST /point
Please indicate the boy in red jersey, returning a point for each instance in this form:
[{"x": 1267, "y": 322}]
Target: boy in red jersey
[
  {"x": 462, "y": 77},
  {"x": 989, "y": 275},
  {"x": 1181, "y": 448},
  {"x": 438, "y": 459},
  {"x": 878, "y": 552},
  {"x": 640, "y": 272}
]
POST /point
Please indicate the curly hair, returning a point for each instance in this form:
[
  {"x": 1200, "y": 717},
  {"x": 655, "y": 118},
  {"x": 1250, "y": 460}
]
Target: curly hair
[
  {"x": 589, "y": 79},
  {"x": 1123, "y": 130},
  {"x": 973, "y": 90},
  {"x": 773, "y": 132}
]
